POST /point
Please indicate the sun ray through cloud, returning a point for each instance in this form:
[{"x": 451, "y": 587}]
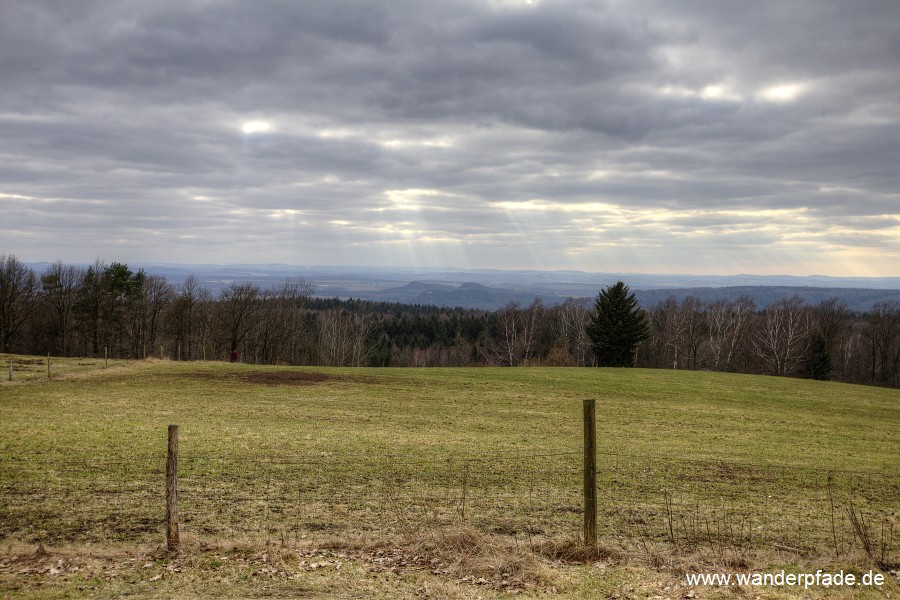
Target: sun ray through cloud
[{"x": 557, "y": 134}]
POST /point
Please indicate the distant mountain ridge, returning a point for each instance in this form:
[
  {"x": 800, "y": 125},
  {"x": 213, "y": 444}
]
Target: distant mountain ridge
[
  {"x": 477, "y": 296},
  {"x": 857, "y": 299},
  {"x": 490, "y": 289}
]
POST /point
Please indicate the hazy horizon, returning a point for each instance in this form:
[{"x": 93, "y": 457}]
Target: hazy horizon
[
  {"x": 275, "y": 272},
  {"x": 437, "y": 268}
]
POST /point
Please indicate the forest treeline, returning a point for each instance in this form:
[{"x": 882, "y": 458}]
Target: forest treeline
[{"x": 110, "y": 309}]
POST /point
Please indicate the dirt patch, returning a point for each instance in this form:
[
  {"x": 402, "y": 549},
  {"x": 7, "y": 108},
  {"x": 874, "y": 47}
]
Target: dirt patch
[
  {"x": 292, "y": 378},
  {"x": 286, "y": 377},
  {"x": 710, "y": 472}
]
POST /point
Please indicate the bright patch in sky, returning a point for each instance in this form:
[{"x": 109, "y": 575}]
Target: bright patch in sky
[
  {"x": 782, "y": 93},
  {"x": 710, "y": 92},
  {"x": 256, "y": 127},
  {"x": 719, "y": 92}
]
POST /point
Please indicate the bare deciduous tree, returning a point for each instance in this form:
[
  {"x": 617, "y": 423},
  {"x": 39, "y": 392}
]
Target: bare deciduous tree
[
  {"x": 675, "y": 323},
  {"x": 18, "y": 286},
  {"x": 782, "y": 335},
  {"x": 884, "y": 342},
  {"x": 182, "y": 317},
  {"x": 203, "y": 325},
  {"x": 832, "y": 318},
  {"x": 158, "y": 294},
  {"x": 574, "y": 316},
  {"x": 344, "y": 338},
  {"x": 831, "y": 327},
  {"x": 695, "y": 335},
  {"x": 238, "y": 308},
  {"x": 59, "y": 286},
  {"x": 517, "y": 331},
  {"x": 294, "y": 294},
  {"x": 727, "y": 322}
]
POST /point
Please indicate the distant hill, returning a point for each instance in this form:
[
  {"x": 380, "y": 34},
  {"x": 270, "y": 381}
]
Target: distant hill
[
  {"x": 478, "y": 296},
  {"x": 490, "y": 289},
  {"x": 857, "y": 299}
]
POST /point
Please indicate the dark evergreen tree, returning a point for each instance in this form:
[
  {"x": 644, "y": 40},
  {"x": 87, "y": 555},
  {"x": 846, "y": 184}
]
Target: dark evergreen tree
[
  {"x": 818, "y": 363},
  {"x": 617, "y": 327}
]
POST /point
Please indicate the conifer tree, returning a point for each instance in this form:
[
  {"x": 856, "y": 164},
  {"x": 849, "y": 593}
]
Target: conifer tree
[
  {"x": 617, "y": 327},
  {"x": 818, "y": 363}
]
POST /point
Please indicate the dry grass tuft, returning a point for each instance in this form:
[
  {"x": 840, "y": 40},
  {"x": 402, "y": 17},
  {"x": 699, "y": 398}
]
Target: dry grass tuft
[
  {"x": 574, "y": 551},
  {"x": 467, "y": 554},
  {"x": 461, "y": 554}
]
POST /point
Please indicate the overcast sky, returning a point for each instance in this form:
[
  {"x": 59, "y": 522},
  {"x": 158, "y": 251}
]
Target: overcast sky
[{"x": 625, "y": 136}]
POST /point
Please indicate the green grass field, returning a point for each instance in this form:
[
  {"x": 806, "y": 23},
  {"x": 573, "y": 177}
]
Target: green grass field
[{"x": 694, "y": 469}]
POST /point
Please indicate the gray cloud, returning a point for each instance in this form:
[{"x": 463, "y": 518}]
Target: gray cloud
[{"x": 573, "y": 134}]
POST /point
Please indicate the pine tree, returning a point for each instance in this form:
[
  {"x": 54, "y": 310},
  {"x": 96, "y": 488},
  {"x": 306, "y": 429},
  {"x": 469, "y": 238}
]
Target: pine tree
[
  {"x": 617, "y": 327},
  {"x": 818, "y": 363}
]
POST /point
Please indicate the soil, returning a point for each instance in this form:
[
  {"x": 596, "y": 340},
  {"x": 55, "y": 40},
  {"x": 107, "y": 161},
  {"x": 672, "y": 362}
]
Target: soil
[{"x": 287, "y": 377}]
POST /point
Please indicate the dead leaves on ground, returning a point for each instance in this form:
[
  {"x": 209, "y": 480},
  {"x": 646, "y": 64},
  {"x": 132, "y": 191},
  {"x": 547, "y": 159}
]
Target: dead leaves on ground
[
  {"x": 268, "y": 563},
  {"x": 64, "y": 564}
]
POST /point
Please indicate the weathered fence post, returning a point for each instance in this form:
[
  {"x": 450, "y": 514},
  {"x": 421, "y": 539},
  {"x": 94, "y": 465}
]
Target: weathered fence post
[
  {"x": 105, "y": 356},
  {"x": 590, "y": 473},
  {"x": 464, "y": 487},
  {"x": 48, "y": 365},
  {"x": 10, "y": 369},
  {"x": 172, "y": 491}
]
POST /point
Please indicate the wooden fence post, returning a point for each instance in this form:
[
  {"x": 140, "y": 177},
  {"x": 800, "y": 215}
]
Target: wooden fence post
[
  {"x": 10, "y": 369},
  {"x": 48, "y": 365},
  {"x": 172, "y": 491},
  {"x": 590, "y": 473}
]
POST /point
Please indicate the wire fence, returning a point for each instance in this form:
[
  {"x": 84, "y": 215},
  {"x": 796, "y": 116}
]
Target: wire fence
[
  {"x": 645, "y": 503},
  {"x": 739, "y": 506}
]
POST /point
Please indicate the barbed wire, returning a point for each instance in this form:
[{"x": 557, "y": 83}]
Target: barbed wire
[
  {"x": 661, "y": 498},
  {"x": 318, "y": 456}
]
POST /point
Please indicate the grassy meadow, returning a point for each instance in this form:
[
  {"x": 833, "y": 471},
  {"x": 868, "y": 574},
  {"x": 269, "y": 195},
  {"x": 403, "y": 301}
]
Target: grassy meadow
[{"x": 398, "y": 475}]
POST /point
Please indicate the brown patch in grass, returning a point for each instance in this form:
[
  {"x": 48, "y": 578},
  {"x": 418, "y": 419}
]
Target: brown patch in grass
[
  {"x": 286, "y": 377},
  {"x": 727, "y": 472},
  {"x": 29, "y": 361},
  {"x": 462, "y": 555},
  {"x": 301, "y": 378}
]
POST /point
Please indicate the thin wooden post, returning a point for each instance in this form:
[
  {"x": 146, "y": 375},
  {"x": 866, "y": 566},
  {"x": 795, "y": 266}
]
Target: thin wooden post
[
  {"x": 590, "y": 473},
  {"x": 48, "y": 365},
  {"x": 172, "y": 491},
  {"x": 465, "y": 485},
  {"x": 10, "y": 369},
  {"x": 105, "y": 356}
]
